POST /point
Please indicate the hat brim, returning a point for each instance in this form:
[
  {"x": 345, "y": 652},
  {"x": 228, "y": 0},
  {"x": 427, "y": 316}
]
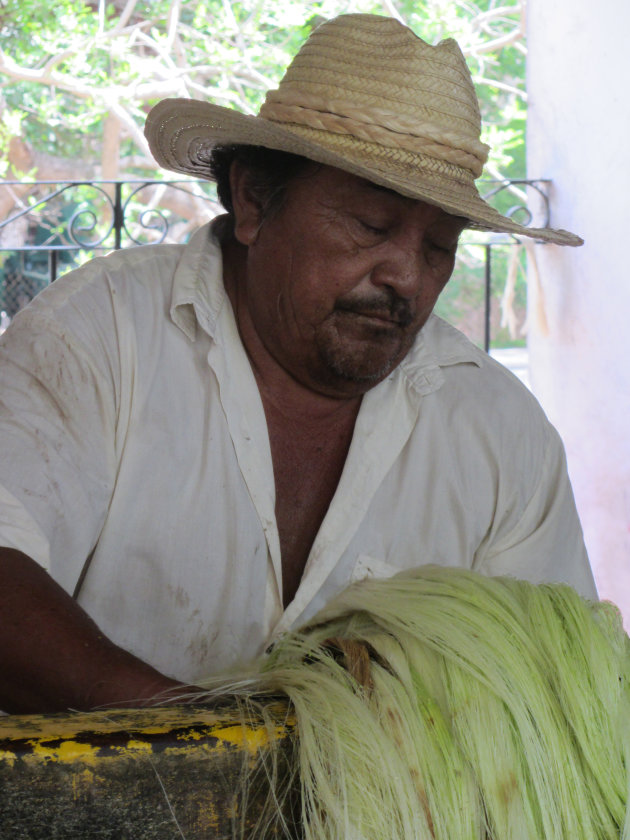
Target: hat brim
[{"x": 182, "y": 133}]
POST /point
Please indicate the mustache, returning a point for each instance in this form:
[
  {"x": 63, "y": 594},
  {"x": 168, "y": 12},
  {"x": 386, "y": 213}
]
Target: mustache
[{"x": 385, "y": 303}]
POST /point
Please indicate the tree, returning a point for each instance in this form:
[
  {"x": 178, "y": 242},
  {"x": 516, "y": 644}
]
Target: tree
[{"x": 79, "y": 78}]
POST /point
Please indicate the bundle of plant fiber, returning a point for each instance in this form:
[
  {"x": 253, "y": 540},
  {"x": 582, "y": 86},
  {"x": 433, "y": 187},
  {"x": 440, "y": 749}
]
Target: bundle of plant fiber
[{"x": 441, "y": 704}]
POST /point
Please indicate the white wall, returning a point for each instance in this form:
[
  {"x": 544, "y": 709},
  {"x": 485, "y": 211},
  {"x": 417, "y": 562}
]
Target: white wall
[{"x": 579, "y": 136}]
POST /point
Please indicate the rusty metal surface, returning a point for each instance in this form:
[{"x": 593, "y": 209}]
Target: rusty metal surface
[{"x": 157, "y": 774}]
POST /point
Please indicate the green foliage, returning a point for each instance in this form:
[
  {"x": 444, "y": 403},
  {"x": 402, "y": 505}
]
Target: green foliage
[{"x": 230, "y": 52}]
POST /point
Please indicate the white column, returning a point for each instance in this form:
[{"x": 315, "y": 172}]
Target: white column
[{"x": 579, "y": 336}]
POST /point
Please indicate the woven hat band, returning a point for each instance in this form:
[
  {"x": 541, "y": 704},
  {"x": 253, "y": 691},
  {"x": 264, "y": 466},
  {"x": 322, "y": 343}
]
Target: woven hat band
[
  {"x": 407, "y": 163},
  {"x": 377, "y": 126}
]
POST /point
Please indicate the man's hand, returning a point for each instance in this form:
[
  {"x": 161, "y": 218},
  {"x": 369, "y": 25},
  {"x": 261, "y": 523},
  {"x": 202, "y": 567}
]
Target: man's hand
[{"x": 53, "y": 657}]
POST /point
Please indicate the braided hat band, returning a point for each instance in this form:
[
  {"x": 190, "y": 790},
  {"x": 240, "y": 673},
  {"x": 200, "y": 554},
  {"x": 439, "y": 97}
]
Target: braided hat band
[{"x": 366, "y": 95}]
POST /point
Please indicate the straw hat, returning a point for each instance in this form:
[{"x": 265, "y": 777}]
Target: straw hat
[{"x": 366, "y": 95}]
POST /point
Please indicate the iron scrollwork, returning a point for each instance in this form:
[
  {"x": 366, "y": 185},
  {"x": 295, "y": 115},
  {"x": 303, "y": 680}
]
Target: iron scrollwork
[
  {"x": 60, "y": 215},
  {"x": 522, "y": 211}
]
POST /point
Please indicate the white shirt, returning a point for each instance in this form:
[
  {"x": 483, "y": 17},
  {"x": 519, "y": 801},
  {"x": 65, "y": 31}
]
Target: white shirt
[{"x": 131, "y": 426}]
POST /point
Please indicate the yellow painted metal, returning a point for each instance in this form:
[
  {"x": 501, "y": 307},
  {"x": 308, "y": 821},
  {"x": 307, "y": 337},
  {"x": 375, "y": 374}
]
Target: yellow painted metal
[{"x": 151, "y": 774}]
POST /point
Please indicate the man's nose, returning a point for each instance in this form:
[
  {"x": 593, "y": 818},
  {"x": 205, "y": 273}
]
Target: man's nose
[{"x": 401, "y": 268}]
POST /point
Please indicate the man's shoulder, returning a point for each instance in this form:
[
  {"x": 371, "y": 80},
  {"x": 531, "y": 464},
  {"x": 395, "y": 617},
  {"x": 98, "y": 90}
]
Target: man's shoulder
[
  {"x": 143, "y": 269},
  {"x": 136, "y": 280}
]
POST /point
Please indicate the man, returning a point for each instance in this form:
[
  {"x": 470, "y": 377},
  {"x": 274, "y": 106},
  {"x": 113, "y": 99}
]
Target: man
[{"x": 202, "y": 444}]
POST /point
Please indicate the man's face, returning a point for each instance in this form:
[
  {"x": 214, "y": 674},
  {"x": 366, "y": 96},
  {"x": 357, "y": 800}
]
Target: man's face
[{"x": 340, "y": 280}]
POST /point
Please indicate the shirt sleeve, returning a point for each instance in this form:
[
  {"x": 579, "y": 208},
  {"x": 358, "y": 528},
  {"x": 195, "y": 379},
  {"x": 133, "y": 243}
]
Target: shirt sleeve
[
  {"x": 546, "y": 542},
  {"x": 57, "y": 431}
]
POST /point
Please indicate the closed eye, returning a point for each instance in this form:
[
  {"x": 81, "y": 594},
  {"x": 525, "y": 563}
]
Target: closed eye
[
  {"x": 440, "y": 257},
  {"x": 375, "y": 229},
  {"x": 445, "y": 249}
]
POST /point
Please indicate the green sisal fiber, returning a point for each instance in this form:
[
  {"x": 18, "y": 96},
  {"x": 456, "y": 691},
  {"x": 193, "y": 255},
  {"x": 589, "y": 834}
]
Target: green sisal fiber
[{"x": 486, "y": 709}]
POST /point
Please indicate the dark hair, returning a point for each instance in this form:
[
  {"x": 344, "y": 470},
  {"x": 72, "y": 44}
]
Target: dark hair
[{"x": 270, "y": 172}]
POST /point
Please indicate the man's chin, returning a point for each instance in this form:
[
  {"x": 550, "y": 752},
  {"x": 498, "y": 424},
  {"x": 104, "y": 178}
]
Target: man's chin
[
  {"x": 367, "y": 366},
  {"x": 358, "y": 353}
]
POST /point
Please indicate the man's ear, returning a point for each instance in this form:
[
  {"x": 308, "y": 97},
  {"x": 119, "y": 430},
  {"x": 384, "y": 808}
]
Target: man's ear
[{"x": 247, "y": 210}]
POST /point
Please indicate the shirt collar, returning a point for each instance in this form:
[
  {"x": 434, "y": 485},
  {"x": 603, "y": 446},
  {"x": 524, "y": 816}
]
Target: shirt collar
[
  {"x": 198, "y": 290},
  {"x": 438, "y": 346}
]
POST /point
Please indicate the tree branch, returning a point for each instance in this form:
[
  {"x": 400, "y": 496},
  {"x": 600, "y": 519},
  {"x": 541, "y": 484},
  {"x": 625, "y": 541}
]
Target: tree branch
[
  {"x": 390, "y": 9},
  {"x": 41, "y": 76},
  {"x": 494, "y": 45},
  {"x": 132, "y": 127},
  {"x": 125, "y": 15},
  {"x": 483, "y": 18},
  {"x": 482, "y": 80},
  {"x": 173, "y": 21}
]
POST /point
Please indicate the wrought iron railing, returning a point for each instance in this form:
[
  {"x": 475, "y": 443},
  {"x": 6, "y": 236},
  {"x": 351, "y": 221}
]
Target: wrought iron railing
[{"x": 50, "y": 227}]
